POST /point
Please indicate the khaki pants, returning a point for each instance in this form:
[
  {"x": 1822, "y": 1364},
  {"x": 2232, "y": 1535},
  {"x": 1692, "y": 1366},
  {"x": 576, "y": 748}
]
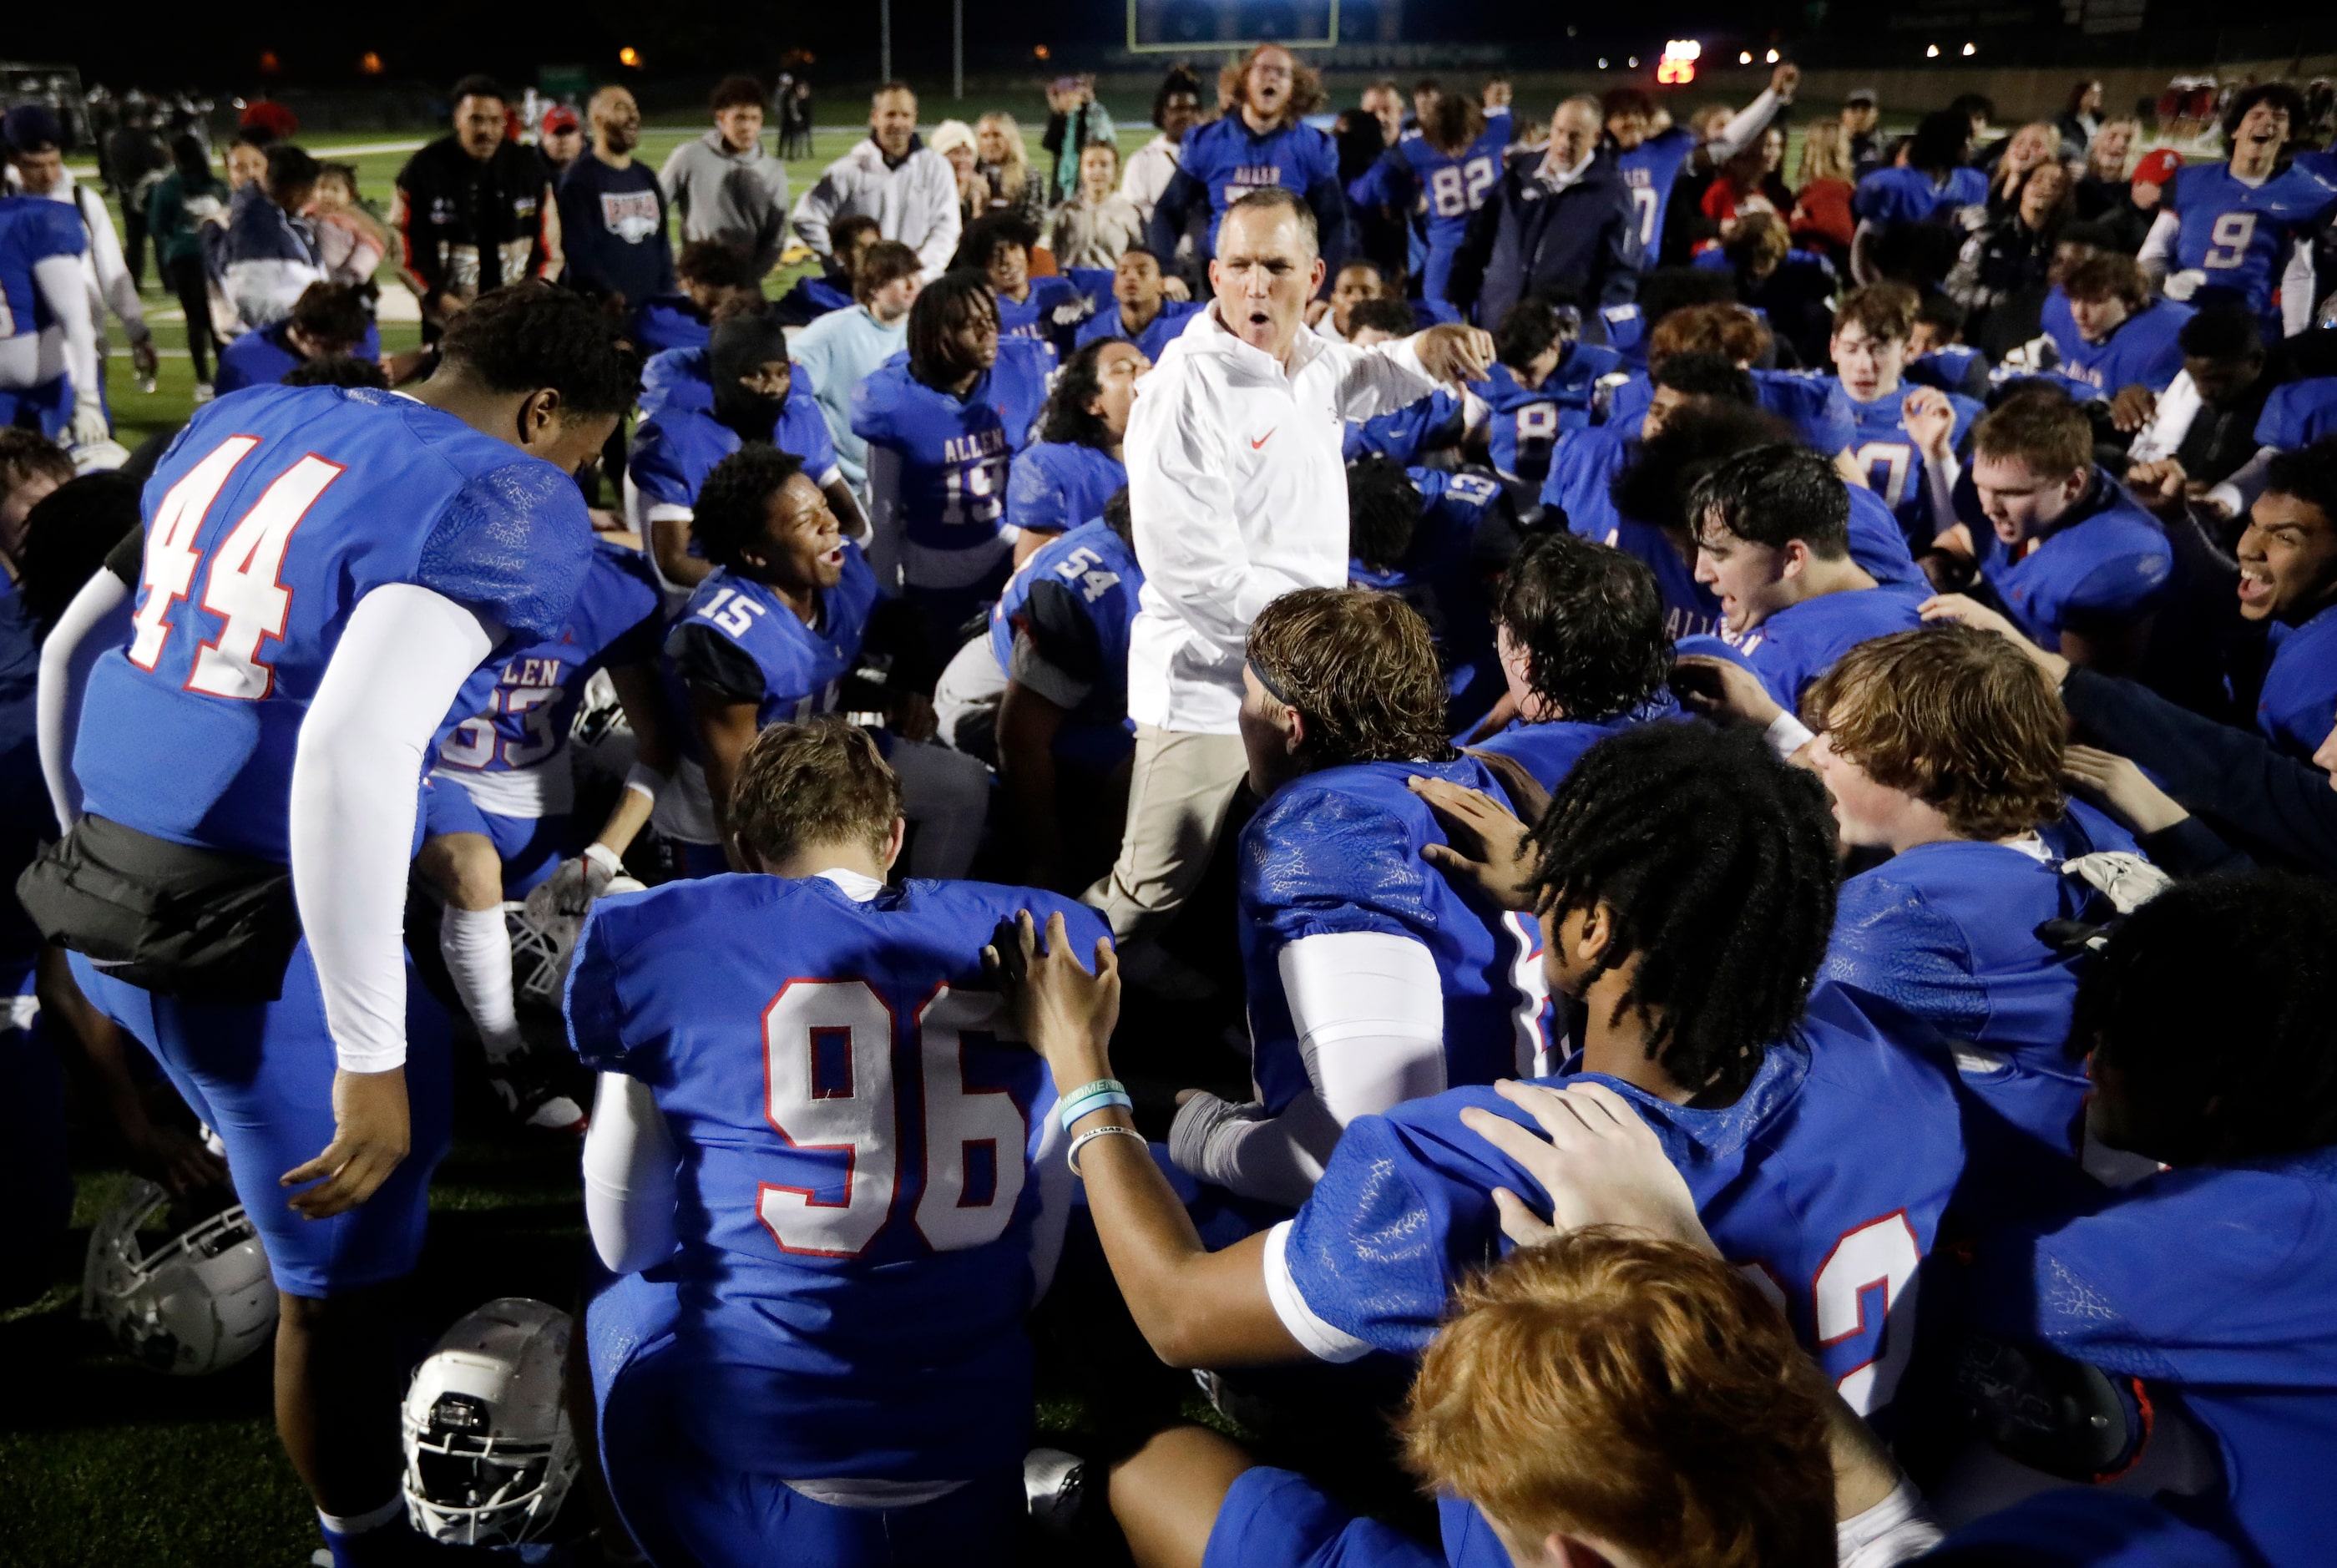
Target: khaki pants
[{"x": 1180, "y": 788}]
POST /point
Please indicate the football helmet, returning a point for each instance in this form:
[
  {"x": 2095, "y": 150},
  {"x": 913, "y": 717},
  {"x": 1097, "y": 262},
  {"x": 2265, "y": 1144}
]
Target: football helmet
[
  {"x": 489, "y": 1455},
  {"x": 599, "y": 740},
  {"x": 185, "y": 1298},
  {"x": 542, "y": 940}
]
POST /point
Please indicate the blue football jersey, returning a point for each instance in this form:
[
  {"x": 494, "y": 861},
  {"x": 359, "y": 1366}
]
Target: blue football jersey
[
  {"x": 31, "y": 230},
  {"x": 2089, "y": 1527},
  {"x": 870, "y": 1183},
  {"x": 1018, "y": 386},
  {"x": 1948, "y": 931},
  {"x": 1033, "y": 316},
  {"x": 664, "y": 321},
  {"x": 1440, "y": 577},
  {"x": 1891, "y": 460},
  {"x": 1527, "y": 422},
  {"x": 1447, "y": 189},
  {"x": 2243, "y": 1337},
  {"x": 1584, "y": 465},
  {"x": 676, "y": 446},
  {"x": 1904, "y": 195},
  {"x": 2297, "y": 706},
  {"x": 1229, "y": 161},
  {"x": 938, "y": 469},
  {"x": 1338, "y": 851},
  {"x": 2299, "y": 413},
  {"x": 1152, "y": 341},
  {"x": 2238, "y": 236},
  {"x": 1057, "y": 485},
  {"x": 1407, "y": 434},
  {"x": 1689, "y": 607},
  {"x": 736, "y": 638},
  {"x": 1814, "y": 404},
  {"x": 1550, "y": 749},
  {"x": 1075, "y": 600},
  {"x": 1650, "y": 171},
  {"x": 523, "y": 728},
  {"x": 1794, "y": 647},
  {"x": 271, "y": 515},
  {"x": 2142, "y": 351},
  {"x": 678, "y": 378},
  {"x": 1828, "y": 1176},
  {"x": 1952, "y": 369},
  {"x": 2104, "y": 559}
]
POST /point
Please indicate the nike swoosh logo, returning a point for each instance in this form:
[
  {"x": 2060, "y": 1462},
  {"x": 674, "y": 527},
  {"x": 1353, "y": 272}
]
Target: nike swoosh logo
[{"x": 1263, "y": 439}]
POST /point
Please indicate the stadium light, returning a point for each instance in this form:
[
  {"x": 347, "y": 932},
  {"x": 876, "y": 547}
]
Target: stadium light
[
  {"x": 369, "y": 63},
  {"x": 1931, "y": 52},
  {"x": 1678, "y": 67},
  {"x": 1773, "y": 56},
  {"x": 629, "y": 55},
  {"x": 1602, "y": 63},
  {"x": 1744, "y": 57},
  {"x": 1634, "y": 62},
  {"x": 1970, "y": 50}
]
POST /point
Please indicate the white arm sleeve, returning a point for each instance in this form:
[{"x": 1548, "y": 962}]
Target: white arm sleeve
[
  {"x": 2158, "y": 247},
  {"x": 2177, "y": 406},
  {"x": 1369, "y": 1012},
  {"x": 1895, "y": 1530},
  {"x": 1940, "y": 478},
  {"x": 112, "y": 272},
  {"x": 58, "y": 279},
  {"x": 2296, "y": 287},
  {"x": 2239, "y": 492},
  {"x": 356, "y": 779},
  {"x": 1749, "y": 122},
  {"x": 102, "y": 607},
  {"x": 630, "y": 1176}
]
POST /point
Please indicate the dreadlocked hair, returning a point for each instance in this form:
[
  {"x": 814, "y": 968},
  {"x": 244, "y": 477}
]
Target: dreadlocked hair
[
  {"x": 2240, "y": 1069},
  {"x": 1715, "y": 862}
]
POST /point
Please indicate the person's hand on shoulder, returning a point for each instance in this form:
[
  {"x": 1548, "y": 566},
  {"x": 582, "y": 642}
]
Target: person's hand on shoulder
[{"x": 1451, "y": 352}]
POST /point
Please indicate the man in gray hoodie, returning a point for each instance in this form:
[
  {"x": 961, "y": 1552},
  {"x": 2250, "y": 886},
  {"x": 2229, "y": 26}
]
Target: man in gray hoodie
[{"x": 724, "y": 186}]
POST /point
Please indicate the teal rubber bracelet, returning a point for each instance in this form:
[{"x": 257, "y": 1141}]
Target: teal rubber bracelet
[
  {"x": 1100, "y": 1086},
  {"x": 1072, "y": 1110}
]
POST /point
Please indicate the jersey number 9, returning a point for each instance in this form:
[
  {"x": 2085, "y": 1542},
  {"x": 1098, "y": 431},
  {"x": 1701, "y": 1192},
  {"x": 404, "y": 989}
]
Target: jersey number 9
[{"x": 827, "y": 1056}]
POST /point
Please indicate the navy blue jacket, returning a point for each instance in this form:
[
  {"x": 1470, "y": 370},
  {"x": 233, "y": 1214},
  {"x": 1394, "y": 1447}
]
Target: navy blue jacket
[{"x": 1524, "y": 238}]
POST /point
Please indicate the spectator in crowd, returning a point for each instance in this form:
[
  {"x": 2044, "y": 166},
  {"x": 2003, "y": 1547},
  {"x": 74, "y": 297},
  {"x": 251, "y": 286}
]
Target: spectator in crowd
[
  {"x": 1076, "y": 121},
  {"x": 955, "y": 139},
  {"x": 1003, "y": 163},
  {"x": 272, "y": 119},
  {"x": 2105, "y": 185},
  {"x": 1384, "y": 102},
  {"x": 1176, "y": 108},
  {"x": 2011, "y": 257},
  {"x": 350, "y": 244},
  {"x": 135, "y": 161},
  {"x": 267, "y": 253},
  {"x": 34, "y": 140},
  {"x": 906, "y": 186},
  {"x": 2130, "y": 218},
  {"x": 1092, "y": 227},
  {"x": 1263, "y": 140},
  {"x": 1565, "y": 222},
  {"x": 840, "y": 350},
  {"x": 184, "y": 199},
  {"x": 1930, "y": 182},
  {"x": 472, "y": 211},
  {"x": 724, "y": 186},
  {"x": 1821, "y": 218},
  {"x": 2080, "y": 120},
  {"x": 247, "y": 158},
  {"x": 613, "y": 210},
  {"x": 1861, "y": 121},
  {"x": 813, "y": 294},
  {"x": 1749, "y": 182},
  {"x": 560, "y": 139},
  {"x": 2032, "y": 147},
  {"x": 794, "y": 117},
  {"x": 328, "y": 321}
]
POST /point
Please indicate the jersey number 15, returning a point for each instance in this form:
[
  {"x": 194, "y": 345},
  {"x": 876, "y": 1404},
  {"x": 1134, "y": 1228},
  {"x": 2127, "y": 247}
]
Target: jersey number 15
[{"x": 827, "y": 1055}]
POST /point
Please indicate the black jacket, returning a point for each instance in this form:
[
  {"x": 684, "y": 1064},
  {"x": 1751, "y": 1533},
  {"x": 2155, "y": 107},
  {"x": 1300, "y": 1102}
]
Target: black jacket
[
  {"x": 1525, "y": 238},
  {"x": 469, "y": 226}
]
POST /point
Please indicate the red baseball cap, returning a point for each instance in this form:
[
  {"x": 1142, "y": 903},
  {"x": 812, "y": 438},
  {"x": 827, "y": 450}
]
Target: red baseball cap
[
  {"x": 558, "y": 118},
  {"x": 2159, "y": 168}
]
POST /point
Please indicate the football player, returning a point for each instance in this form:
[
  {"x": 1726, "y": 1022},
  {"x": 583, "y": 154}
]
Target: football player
[
  {"x": 1262, "y": 140},
  {"x": 1141, "y": 311},
  {"x": 1686, "y": 878},
  {"x": 998, "y": 248},
  {"x": 1772, "y": 545},
  {"x": 325, "y": 571},
  {"x": 1650, "y": 151},
  {"x": 48, "y": 355},
  {"x": 1539, "y": 390},
  {"x": 1441, "y": 167},
  {"x": 817, "y": 1122},
  {"x": 2288, "y": 583},
  {"x": 2242, "y": 230},
  {"x": 1929, "y": 187},
  {"x": 1372, "y": 980},
  {"x": 1064, "y": 479},
  {"x": 2119, "y": 334},
  {"x": 2075, "y": 564},
  {"x": 1907, "y": 436},
  {"x": 1581, "y": 635},
  {"x": 752, "y": 394},
  {"x": 496, "y": 807},
  {"x": 1433, "y": 539}
]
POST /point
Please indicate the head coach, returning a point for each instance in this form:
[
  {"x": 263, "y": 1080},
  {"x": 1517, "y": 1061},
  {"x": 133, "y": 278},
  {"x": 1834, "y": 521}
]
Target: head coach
[{"x": 1238, "y": 497}]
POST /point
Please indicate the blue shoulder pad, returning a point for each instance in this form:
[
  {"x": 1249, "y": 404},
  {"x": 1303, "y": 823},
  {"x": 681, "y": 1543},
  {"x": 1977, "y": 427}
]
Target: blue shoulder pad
[{"x": 513, "y": 544}]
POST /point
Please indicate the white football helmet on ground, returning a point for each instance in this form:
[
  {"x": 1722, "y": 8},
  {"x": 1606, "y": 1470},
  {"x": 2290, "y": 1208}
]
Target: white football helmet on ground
[
  {"x": 186, "y": 1303},
  {"x": 543, "y": 939},
  {"x": 489, "y": 1455}
]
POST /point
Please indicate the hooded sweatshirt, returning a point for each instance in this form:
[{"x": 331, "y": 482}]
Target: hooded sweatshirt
[
  {"x": 737, "y": 198},
  {"x": 1239, "y": 495},
  {"x": 914, "y": 200}
]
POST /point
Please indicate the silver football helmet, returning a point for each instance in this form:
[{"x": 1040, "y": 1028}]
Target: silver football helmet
[
  {"x": 489, "y": 1455},
  {"x": 544, "y": 940},
  {"x": 187, "y": 1301}
]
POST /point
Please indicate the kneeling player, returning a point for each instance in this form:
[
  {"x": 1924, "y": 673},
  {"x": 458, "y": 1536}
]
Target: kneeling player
[
  {"x": 1372, "y": 980},
  {"x": 768, "y": 637},
  {"x": 815, "y": 1113}
]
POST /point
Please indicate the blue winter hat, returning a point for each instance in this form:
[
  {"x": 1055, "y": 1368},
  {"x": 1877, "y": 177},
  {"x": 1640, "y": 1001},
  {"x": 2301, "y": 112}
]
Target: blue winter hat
[{"x": 31, "y": 127}]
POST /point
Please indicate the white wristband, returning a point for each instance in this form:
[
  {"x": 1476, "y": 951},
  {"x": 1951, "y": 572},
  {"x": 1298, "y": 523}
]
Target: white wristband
[
  {"x": 646, "y": 779},
  {"x": 606, "y": 858},
  {"x": 1788, "y": 735}
]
